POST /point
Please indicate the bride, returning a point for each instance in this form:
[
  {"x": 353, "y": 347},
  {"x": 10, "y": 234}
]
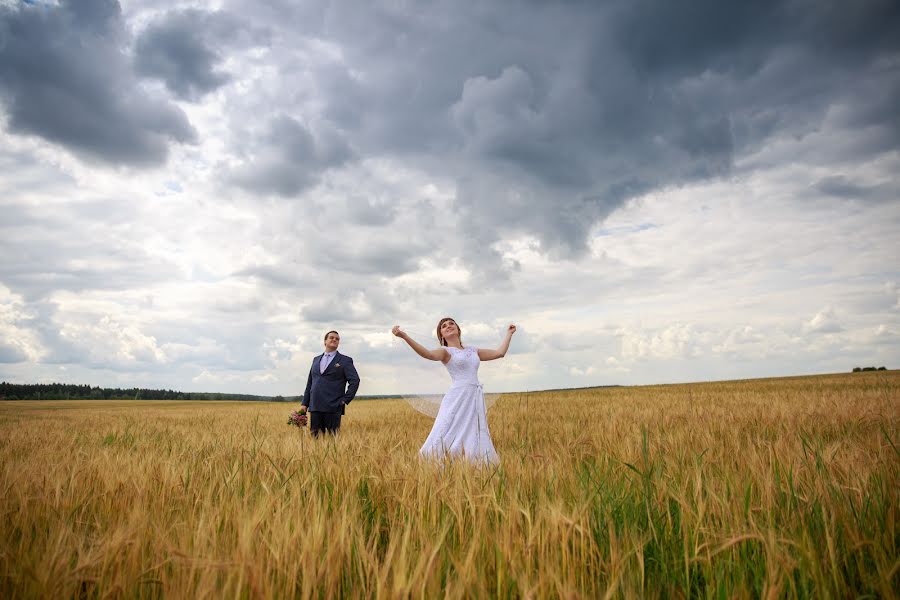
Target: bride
[{"x": 461, "y": 424}]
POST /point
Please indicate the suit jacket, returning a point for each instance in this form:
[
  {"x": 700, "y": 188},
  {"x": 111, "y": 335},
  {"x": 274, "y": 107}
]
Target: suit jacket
[{"x": 332, "y": 390}]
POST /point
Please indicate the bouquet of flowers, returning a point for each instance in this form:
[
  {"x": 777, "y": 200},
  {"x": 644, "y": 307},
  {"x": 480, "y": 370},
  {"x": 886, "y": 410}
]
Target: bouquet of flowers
[{"x": 298, "y": 417}]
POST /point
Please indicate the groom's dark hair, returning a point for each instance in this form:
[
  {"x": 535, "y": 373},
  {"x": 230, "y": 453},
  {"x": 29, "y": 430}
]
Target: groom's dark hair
[{"x": 334, "y": 332}]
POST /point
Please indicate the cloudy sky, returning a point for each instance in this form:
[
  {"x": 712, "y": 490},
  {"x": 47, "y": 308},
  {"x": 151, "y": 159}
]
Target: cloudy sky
[{"x": 192, "y": 194}]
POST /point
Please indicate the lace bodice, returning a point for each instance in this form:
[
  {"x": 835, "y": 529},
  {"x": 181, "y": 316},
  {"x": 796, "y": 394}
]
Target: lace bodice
[{"x": 463, "y": 366}]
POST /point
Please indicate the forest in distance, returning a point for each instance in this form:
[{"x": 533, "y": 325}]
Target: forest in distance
[{"x": 65, "y": 391}]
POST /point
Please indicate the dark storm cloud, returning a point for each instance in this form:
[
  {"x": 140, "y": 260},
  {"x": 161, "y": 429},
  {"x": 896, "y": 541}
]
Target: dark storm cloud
[
  {"x": 840, "y": 186},
  {"x": 662, "y": 94},
  {"x": 173, "y": 49},
  {"x": 567, "y": 110},
  {"x": 185, "y": 49},
  {"x": 64, "y": 77},
  {"x": 289, "y": 158}
]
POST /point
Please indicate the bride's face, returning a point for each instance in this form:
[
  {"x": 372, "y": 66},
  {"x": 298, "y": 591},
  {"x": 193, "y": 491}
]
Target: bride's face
[{"x": 449, "y": 329}]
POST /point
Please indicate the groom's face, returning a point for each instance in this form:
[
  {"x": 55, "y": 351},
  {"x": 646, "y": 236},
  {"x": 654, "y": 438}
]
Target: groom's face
[{"x": 332, "y": 341}]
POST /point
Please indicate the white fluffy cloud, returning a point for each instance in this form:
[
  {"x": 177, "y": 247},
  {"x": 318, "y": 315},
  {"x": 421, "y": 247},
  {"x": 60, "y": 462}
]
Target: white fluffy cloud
[{"x": 19, "y": 342}]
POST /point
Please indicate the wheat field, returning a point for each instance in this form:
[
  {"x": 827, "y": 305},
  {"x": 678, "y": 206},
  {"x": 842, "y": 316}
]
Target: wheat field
[{"x": 763, "y": 488}]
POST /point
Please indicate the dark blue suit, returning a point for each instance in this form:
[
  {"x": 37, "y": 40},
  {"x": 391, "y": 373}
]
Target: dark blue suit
[{"x": 331, "y": 391}]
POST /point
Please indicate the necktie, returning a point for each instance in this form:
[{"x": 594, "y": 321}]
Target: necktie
[{"x": 323, "y": 364}]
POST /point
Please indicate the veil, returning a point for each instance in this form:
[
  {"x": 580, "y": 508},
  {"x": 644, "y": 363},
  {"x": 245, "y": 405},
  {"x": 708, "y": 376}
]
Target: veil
[
  {"x": 427, "y": 403},
  {"x": 430, "y": 404}
]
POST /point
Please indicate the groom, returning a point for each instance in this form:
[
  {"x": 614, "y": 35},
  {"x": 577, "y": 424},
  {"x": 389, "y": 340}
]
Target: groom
[{"x": 331, "y": 385}]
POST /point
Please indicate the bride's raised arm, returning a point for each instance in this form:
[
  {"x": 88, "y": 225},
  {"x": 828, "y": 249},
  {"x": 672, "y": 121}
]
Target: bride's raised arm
[
  {"x": 436, "y": 354},
  {"x": 500, "y": 352}
]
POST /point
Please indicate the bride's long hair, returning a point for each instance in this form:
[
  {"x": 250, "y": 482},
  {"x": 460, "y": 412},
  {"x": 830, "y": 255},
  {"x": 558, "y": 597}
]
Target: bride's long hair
[{"x": 438, "y": 330}]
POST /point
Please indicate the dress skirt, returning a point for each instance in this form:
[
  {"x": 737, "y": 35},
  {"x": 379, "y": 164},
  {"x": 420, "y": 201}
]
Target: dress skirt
[{"x": 460, "y": 428}]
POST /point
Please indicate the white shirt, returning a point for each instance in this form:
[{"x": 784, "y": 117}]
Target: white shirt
[{"x": 325, "y": 361}]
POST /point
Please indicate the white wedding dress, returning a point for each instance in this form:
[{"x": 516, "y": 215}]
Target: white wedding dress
[{"x": 460, "y": 427}]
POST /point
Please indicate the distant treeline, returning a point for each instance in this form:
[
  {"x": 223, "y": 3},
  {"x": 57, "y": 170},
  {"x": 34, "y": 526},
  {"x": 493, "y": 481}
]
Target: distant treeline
[
  {"x": 65, "y": 391},
  {"x": 859, "y": 369}
]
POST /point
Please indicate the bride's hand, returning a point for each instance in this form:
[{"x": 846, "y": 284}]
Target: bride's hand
[
  {"x": 511, "y": 329},
  {"x": 396, "y": 330}
]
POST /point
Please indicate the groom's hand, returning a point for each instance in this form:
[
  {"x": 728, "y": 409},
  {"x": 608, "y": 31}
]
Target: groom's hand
[{"x": 396, "y": 330}]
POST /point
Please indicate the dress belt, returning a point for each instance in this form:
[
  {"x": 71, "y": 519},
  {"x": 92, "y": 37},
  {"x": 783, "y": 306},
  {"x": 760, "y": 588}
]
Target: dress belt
[{"x": 467, "y": 383}]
